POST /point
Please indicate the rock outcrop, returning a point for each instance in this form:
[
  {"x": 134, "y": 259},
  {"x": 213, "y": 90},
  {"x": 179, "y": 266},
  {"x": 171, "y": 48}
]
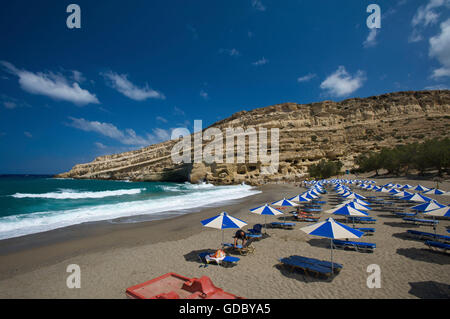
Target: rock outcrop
[{"x": 307, "y": 133}]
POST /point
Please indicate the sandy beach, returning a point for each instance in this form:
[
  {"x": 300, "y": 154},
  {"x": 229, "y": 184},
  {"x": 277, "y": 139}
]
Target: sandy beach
[{"x": 113, "y": 257}]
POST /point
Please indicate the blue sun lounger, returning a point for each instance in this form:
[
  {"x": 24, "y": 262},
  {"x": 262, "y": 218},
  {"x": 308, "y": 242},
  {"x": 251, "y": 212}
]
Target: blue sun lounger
[
  {"x": 424, "y": 235},
  {"x": 362, "y": 220},
  {"x": 319, "y": 201},
  {"x": 310, "y": 266},
  {"x": 435, "y": 245},
  {"x": 402, "y": 214},
  {"x": 367, "y": 231},
  {"x": 415, "y": 221},
  {"x": 312, "y": 210},
  {"x": 356, "y": 245},
  {"x": 283, "y": 225},
  {"x": 226, "y": 262}
]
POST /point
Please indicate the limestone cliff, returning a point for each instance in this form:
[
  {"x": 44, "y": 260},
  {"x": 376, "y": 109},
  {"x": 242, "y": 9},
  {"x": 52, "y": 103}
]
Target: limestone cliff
[{"x": 308, "y": 133}]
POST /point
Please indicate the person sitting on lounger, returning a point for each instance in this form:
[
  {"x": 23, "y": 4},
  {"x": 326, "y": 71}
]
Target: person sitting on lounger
[{"x": 240, "y": 234}]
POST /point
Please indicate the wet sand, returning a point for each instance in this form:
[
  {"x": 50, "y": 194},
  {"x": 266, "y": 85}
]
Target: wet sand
[{"x": 113, "y": 257}]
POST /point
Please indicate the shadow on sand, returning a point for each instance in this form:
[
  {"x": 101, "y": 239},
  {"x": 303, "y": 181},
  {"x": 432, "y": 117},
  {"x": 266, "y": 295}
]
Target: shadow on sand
[
  {"x": 426, "y": 255},
  {"x": 401, "y": 225},
  {"x": 430, "y": 290},
  {"x": 299, "y": 275}
]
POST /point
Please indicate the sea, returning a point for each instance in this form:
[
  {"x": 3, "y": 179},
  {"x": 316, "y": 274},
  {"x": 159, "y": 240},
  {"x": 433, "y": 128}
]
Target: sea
[{"x": 32, "y": 204}]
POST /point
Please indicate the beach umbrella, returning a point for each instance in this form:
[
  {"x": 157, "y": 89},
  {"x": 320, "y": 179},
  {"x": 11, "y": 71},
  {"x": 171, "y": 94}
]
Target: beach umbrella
[
  {"x": 347, "y": 211},
  {"x": 265, "y": 210},
  {"x": 333, "y": 230},
  {"x": 407, "y": 186},
  {"x": 425, "y": 207},
  {"x": 354, "y": 195},
  {"x": 440, "y": 212},
  {"x": 434, "y": 191},
  {"x": 394, "y": 191},
  {"x": 417, "y": 198},
  {"x": 284, "y": 202},
  {"x": 223, "y": 221},
  {"x": 421, "y": 188},
  {"x": 300, "y": 198},
  {"x": 356, "y": 205},
  {"x": 403, "y": 194}
]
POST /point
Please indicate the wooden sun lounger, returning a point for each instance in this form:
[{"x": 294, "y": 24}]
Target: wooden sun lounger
[{"x": 358, "y": 246}]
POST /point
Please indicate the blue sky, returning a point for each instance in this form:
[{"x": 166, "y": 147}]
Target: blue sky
[{"x": 137, "y": 69}]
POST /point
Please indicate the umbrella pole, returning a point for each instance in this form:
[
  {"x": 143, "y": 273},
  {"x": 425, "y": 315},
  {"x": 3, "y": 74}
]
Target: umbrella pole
[
  {"x": 331, "y": 244},
  {"x": 222, "y": 238},
  {"x": 265, "y": 224}
]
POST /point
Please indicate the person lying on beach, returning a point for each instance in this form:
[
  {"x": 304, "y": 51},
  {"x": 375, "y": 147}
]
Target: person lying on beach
[{"x": 240, "y": 234}]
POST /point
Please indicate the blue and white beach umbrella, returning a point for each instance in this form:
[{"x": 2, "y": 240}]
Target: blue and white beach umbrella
[
  {"x": 421, "y": 188},
  {"x": 440, "y": 212},
  {"x": 417, "y": 198},
  {"x": 300, "y": 198},
  {"x": 333, "y": 230},
  {"x": 434, "y": 191},
  {"x": 223, "y": 221},
  {"x": 425, "y": 207},
  {"x": 265, "y": 210},
  {"x": 355, "y": 205},
  {"x": 284, "y": 202}
]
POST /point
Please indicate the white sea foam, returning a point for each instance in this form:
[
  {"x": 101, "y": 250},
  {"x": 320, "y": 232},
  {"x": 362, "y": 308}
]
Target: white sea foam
[
  {"x": 73, "y": 194},
  {"x": 24, "y": 224}
]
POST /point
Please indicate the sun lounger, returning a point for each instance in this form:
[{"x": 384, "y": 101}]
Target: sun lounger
[
  {"x": 283, "y": 225},
  {"x": 224, "y": 261},
  {"x": 312, "y": 210},
  {"x": 243, "y": 250},
  {"x": 319, "y": 201},
  {"x": 336, "y": 267},
  {"x": 424, "y": 235},
  {"x": 367, "y": 231},
  {"x": 401, "y": 214},
  {"x": 307, "y": 267},
  {"x": 362, "y": 220},
  {"x": 417, "y": 221},
  {"x": 257, "y": 228},
  {"x": 435, "y": 245},
  {"x": 358, "y": 246}
]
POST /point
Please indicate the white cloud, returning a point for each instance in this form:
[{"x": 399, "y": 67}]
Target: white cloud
[
  {"x": 100, "y": 145},
  {"x": 161, "y": 119},
  {"x": 178, "y": 111},
  {"x": 28, "y": 134},
  {"x": 55, "y": 86},
  {"x": 127, "y": 136},
  {"x": 371, "y": 39},
  {"x": 427, "y": 15},
  {"x": 78, "y": 76},
  {"x": 121, "y": 83},
  {"x": 257, "y": 4},
  {"x": 261, "y": 61},
  {"x": 341, "y": 83},
  {"x": 204, "y": 95},
  {"x": 231, "y": 52},
  {"x": 307, "y": 77},
  {"x": 440, "y": 50},
  {"x": 9, "y": 105}
]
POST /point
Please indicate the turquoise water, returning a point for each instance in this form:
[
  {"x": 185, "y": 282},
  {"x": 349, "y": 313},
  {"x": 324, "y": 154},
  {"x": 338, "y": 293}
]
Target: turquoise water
[{"x": 31, "y": 204}]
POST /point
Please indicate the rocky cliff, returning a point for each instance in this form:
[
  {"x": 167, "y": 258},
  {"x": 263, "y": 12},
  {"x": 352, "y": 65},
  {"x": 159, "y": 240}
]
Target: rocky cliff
[{"x": 307, "y": 133}]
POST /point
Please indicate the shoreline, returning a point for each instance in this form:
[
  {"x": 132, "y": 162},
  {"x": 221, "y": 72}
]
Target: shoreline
[{"x": 25, "y": 253}]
